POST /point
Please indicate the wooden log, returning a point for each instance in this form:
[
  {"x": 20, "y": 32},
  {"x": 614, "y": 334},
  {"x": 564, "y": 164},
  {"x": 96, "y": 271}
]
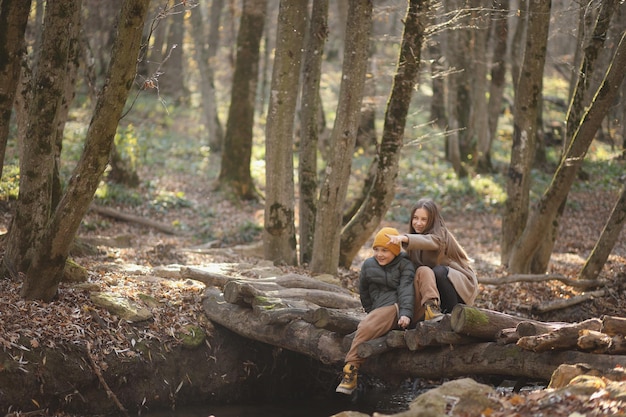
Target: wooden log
[
  {"x": 434, "y": 333},
  {"x": 340, "y": 321},
  {"x": 593, "y": 341},
  {"x": 392, "y": 340},
  {"x": 118, "y": 215},
  {"x": 210, "y": 278},
  {"x": 534, "y": 328},
  {"x": 507, "y": 336},
  {"x": 238, "y": 292},
  {"x": 373, "y": 347},
  {"x": 614, "y": 325},
  {"x": 618, "y": 345},
  {"x": 486, "y": 358},
  {"x": 282, "y": 315},
  {"x": 395, "y": 339},
  {"x": 481, "y": 323},
  {"x": 590, "y": 283},
  {"x": 217, "y": 279},
  {"x": 561, "y": 339},
  {"x": 568, "y": 302},
  {"x": 297, "y": 336}
]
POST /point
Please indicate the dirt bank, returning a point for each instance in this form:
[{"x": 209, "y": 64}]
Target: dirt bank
[{"x": 225, "y": 368}]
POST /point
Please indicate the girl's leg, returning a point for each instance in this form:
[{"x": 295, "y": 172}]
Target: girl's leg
[
  {"x": 425, "y": 290},
  {"x": 449, "y": 296}
]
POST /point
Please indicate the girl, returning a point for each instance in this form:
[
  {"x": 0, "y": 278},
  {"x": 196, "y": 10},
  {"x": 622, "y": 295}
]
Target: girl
[{"x": 444, "y": 277}]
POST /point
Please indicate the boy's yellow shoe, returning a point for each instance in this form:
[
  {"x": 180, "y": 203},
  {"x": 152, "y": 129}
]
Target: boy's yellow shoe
[
  {"x": 348, "y": 383},
  {"x": 432, "y": 311}
]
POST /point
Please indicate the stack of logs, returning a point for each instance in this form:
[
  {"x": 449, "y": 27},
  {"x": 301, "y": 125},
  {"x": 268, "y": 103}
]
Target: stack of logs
[{"x": 318, "y": 319}]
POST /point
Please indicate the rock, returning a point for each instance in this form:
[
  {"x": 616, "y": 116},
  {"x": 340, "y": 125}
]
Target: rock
[
  {"x": 121, "y": 307},
  {"x": 192, "y": 336},
  {"x": 461, "y": 397},
  {"x": 171, "y": 271},
  {"x": 74, "y": 272},
  {"x": 149, "y": 300}
]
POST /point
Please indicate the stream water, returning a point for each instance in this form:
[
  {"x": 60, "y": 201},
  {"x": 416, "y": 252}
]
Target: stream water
[
  {"x": 374, "y": 399},
  {"x": 368, "y": 401}
]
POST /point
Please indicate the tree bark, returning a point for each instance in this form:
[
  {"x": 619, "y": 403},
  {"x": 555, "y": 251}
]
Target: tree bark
[
  {"x": 479, "y": 123},
  {"x": 382, "y": 193},
  {"x": 605, "y": 244},
  {"x": 279, "y": 237},
  {"x": 309, "y": 131},
  {"x": 565, "y": 174},
  {"x": 328, "y": 219},
  {"x": 541, "y": 257},
  {"x": 206, "y": 50},
  {"x": 13, "y": 18},
  {"x": 526, "y": 105},
  {"x": 235, "y": 177},
  {"x": 37, "y": 158},
  {"x": 496, "y": 86},
  {"x": 46, "y": 269}
]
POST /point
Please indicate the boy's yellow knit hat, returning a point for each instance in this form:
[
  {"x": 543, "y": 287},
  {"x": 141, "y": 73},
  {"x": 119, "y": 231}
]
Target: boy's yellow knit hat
[{"x": 382, "y": 240}]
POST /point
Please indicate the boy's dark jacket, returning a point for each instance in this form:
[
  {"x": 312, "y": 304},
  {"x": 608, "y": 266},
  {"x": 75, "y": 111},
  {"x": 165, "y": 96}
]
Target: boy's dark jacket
[{"x": 381, "y": 286}]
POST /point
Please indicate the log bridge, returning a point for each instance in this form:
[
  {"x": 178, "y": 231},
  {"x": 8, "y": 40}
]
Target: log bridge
[{"x": 318, "y": 319}]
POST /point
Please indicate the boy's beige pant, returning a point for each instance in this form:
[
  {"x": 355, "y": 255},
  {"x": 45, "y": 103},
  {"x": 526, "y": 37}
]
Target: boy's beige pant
[
  {"x": 425, "y": 287},
  {"x": 377, "y": 323}
]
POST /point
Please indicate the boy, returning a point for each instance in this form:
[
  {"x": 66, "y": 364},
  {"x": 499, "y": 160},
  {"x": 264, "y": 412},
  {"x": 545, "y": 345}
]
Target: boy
[{"x": 386, "y": 290}]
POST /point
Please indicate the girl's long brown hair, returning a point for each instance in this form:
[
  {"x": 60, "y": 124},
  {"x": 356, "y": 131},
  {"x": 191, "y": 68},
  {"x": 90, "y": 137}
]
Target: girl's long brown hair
[{"x": 437, "y": 227}]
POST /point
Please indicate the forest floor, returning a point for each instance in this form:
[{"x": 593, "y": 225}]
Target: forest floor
[{"x": 229, "y": 225}]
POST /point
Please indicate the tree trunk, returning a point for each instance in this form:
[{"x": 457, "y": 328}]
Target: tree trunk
[
  {"x": 334, "y": 187},
  {"x": 73, "y": 63},
  {"x": 279, "y": 238},
  {"x": 607, "y": 240},
  {"x": 496, "y": 86},
  {"x": 309, "y": 124},
  {"x": 13, "y": 18},
  {"x": 461, "y": 61},
  {"x": 172, "y": 71},
  {"x": 437, "y": 69},
  {"x": 47, "y": 265},
  {"x": 382, "y": 193},
  {"x": 38, "y": 153},
  {"x": 478, "y": 67},
  {"x": 517, "y": 43},
  {"x": 453, "y": 140},
  {"x": 524, "y": 127},
  {"x": 121, "y": 171},
  {"x": 541, "y": 258},
  {"x": 565, "y": 174},
  {"x": 206, "y": 50},
  {"x": 235, "y": 174}
]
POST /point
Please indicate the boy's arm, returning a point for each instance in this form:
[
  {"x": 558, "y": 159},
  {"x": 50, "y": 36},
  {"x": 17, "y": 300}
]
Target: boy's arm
[
  {"x": 406, "y": 293},
  {"x": 366, "y": 298}
]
